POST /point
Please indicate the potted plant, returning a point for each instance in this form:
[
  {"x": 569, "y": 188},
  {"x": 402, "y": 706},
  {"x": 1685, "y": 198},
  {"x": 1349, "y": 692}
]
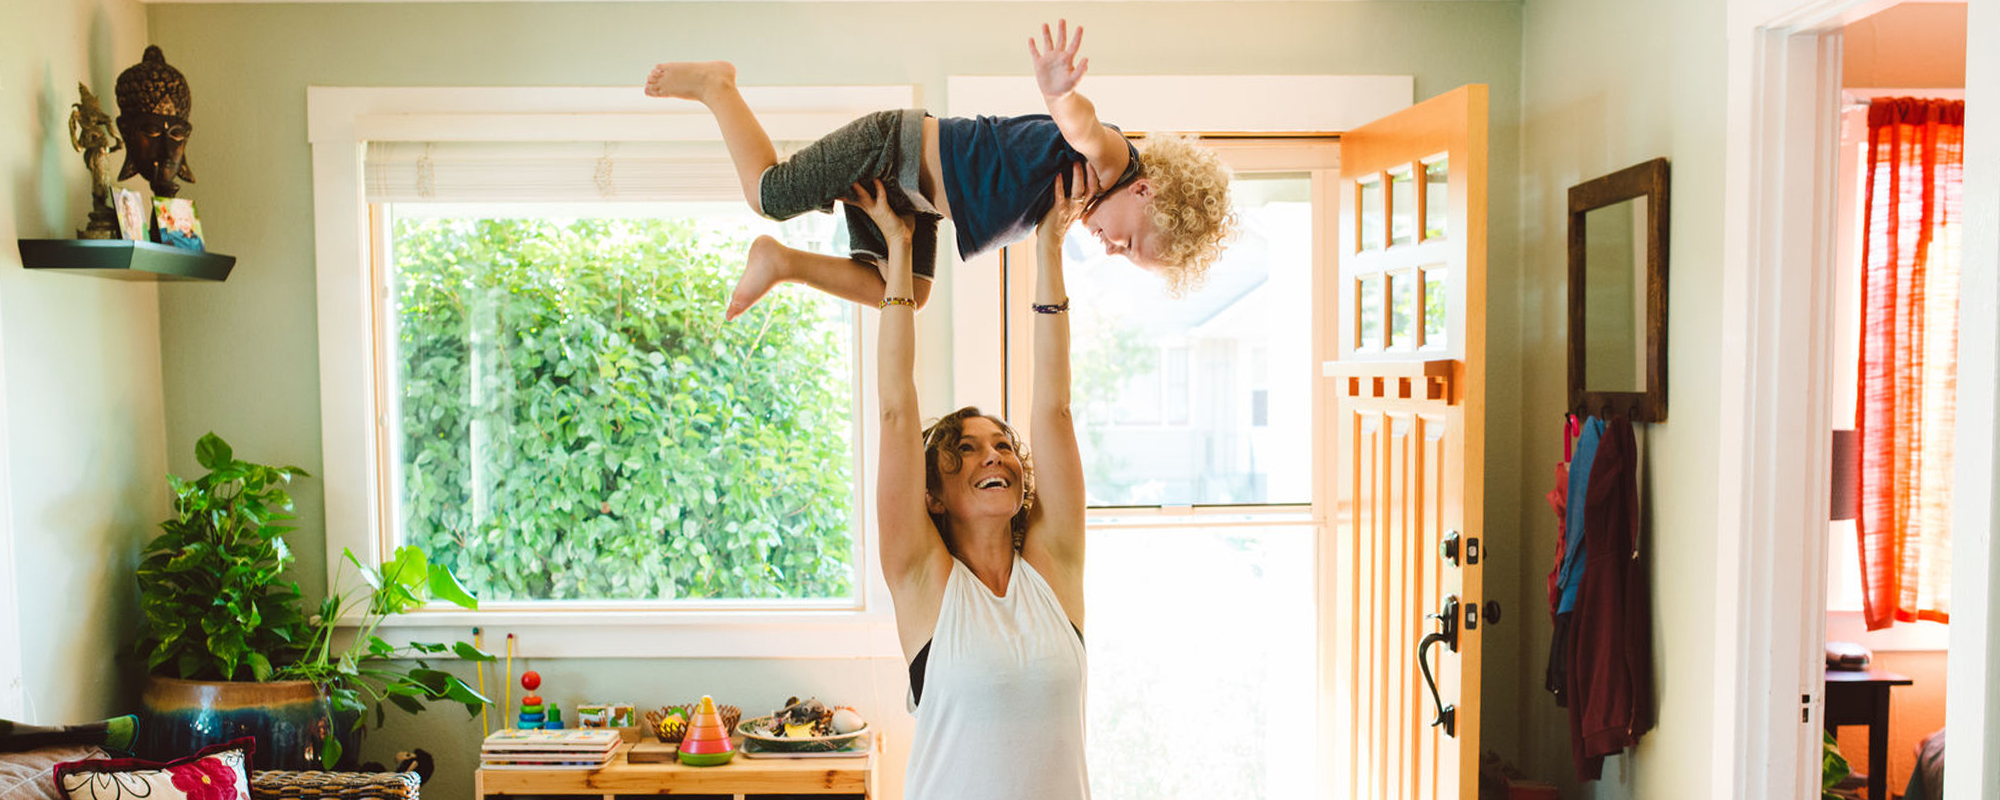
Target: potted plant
[
  {"x": 369, "y": 670},
  {"x": 229, "y": 650}
]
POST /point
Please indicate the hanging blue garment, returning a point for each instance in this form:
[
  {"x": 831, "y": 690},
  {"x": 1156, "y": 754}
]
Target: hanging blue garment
[{"x": 1579, "y": 488}]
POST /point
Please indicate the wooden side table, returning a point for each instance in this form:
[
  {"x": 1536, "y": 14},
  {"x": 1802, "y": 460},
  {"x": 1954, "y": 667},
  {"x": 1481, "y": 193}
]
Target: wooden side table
[
  {"x": 741, "y": 776},
  {"x": 1862, "y": 698}
]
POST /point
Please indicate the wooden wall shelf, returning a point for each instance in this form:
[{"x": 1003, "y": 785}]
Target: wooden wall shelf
[{"x": 125, "y": 260}]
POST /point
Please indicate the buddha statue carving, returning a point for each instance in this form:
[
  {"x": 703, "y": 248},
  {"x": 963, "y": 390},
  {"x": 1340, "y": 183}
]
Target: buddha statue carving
[{"x": 153, "y": 103}]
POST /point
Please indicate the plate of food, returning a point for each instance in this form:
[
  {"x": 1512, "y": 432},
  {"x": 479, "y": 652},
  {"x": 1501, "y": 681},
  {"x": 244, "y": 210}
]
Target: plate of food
[{"x": 804, "y": 727}]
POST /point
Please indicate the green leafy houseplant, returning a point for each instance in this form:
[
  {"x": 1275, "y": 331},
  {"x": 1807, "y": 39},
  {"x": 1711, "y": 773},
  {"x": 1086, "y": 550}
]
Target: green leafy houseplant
[
  {"x": 369, "y": 670},
  {"x": 216, "y": 605},
  {"x": 212, "y": 594}
]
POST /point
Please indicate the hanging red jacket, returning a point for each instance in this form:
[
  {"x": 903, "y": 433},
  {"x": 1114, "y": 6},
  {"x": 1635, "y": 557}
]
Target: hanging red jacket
[{"x": 1611, "y": 655}]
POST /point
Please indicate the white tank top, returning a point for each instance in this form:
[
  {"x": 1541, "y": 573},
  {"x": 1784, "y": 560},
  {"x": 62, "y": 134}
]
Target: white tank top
[{"x": 1002, "y": 711}]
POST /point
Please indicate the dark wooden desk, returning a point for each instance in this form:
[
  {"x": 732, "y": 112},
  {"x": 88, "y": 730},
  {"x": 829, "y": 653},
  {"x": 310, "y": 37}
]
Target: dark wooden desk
[{"x": 1862, "y": 698}]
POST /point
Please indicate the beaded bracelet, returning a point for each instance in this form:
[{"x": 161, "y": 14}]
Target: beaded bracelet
[
  {"x": 897, "y": 301},
  {"x": 1051, "y": 308}
]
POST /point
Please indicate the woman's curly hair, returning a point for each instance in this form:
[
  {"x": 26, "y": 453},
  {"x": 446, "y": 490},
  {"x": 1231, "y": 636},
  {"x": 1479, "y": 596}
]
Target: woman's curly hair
[
  {"x": 1190, "y": 207},
  {"x": 941, "y": 454}
]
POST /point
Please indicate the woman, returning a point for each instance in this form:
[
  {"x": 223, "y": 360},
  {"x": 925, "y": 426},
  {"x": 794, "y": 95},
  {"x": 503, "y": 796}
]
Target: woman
[{"x": 986, "y": 571}]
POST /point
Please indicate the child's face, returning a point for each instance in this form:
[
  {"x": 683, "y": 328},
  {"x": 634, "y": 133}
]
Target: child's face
[{"x": 1120, "y": 221}]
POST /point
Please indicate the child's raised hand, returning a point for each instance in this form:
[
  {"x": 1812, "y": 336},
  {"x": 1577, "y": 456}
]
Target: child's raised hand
[
  {"x": 1056, "y": 68},
  {"x": 1070, "y": 201},
  {"x": 895, "y": 227}
]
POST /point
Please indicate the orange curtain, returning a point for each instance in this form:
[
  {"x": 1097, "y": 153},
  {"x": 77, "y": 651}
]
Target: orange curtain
[{"x": 1909, "y": 347}]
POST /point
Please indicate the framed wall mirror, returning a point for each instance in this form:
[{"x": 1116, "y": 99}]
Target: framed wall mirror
[{"x": 1618, "y": 294}]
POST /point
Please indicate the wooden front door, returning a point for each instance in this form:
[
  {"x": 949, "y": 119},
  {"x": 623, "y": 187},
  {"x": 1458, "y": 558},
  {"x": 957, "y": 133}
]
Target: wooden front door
[{"x": 1407, "y": 386}]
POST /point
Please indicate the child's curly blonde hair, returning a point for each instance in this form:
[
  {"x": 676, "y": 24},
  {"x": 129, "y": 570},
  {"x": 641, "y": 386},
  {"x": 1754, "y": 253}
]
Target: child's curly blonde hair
[{"x": 1190, "y": 208}]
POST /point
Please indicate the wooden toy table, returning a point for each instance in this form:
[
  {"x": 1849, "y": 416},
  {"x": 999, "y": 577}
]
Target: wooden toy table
[{"x": 741, "y": 776}]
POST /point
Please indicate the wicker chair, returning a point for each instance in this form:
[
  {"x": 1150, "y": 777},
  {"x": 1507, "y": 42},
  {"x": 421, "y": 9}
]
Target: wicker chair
[{"x": 280, "y": 784}]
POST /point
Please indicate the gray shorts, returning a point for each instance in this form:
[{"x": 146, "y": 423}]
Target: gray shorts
[{"x": 885, "y": 145}]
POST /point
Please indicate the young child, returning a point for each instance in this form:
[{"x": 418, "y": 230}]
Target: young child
[{"x": 1166, "y": 207}]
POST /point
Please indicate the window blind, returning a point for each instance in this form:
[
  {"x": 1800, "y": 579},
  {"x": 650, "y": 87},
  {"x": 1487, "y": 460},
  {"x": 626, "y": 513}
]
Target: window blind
[{"x": 464, "y": 172}]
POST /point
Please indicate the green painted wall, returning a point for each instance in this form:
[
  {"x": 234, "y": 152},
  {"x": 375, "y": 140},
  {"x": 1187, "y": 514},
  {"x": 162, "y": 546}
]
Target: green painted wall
[
  {"x": 1593, "y": 104},
  {"x": 80, "y": 363},
  {"x": 243, "y": 361}
]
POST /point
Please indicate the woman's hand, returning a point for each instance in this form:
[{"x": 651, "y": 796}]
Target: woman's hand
[
  {"x": 895, "y": 227},
  {"x": 1069, "y": 204}
]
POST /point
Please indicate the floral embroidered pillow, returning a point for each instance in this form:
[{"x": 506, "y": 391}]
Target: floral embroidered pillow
[{"x": 217, "y": 772}]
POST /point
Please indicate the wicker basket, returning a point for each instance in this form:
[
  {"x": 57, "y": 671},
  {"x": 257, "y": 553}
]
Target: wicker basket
[
  {"x": 279, "y": 784},
  {"x": 730, "y": 716}
]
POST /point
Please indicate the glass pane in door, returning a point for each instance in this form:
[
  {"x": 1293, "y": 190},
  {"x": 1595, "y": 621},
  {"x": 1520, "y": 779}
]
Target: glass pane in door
[
  {"x": 1437, "y": 198},
  {"x": 1402, "y": 207}
]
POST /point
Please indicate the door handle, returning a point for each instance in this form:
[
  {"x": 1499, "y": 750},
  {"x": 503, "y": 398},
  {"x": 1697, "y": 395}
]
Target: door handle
[{"x": 1447, "y": 633}]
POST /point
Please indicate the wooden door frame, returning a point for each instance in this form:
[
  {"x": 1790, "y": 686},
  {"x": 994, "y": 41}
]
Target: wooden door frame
[{"x": 1783, "y": 91}]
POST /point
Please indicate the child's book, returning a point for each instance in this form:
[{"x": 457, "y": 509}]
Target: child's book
[
  {"x": 568, "y": 748},
  {"x": 564, "y": 739}
]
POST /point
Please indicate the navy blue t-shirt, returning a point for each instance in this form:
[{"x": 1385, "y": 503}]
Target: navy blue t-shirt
[{"x": 997, "y": 173}]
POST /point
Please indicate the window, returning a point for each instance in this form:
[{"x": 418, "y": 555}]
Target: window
[
  {"x": 574, "y": 422},
  {"x": 517, "y": 372},
  {"x": 1203, "y": 584},
  {"x": 1163, "y": 386},
  {"x": 1206, "y": 607},
  {"x": 1927, "y": 557},
  {"x": 1202, "y": 657}
]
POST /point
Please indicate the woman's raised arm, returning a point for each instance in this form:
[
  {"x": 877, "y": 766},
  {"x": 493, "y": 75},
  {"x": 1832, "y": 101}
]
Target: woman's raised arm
[
  {"x": 1058, "y": 463},
  {"x": 909, "y": 542}
]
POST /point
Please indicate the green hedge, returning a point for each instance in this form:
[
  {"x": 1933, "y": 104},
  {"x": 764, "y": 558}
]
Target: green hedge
[{"x": 631, "y": 445}]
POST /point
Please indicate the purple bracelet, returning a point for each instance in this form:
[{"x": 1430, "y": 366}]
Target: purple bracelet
[{"x": 1051, "y": 308}]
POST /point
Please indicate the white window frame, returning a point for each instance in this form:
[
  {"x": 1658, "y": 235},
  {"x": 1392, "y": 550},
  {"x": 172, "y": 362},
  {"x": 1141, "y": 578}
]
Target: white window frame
[{"x": 340, "y": 122}]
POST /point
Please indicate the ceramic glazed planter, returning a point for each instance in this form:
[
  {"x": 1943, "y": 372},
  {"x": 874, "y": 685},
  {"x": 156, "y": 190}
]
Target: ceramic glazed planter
[{"x": 288, "y": 719}]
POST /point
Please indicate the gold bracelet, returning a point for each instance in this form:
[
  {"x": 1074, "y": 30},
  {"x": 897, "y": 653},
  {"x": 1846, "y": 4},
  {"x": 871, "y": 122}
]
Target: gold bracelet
[{"x": 897, "y": 301}]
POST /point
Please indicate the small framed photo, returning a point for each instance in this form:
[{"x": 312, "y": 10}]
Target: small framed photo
[
  {"x": 175, "y": 223},
  {"x": 131, "y": 208}
]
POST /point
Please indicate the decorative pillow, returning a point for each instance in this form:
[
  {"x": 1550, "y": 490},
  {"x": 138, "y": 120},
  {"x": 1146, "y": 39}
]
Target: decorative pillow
[
  {"x": 216, "y": 772},
  {"x": 25, "y": 776}
]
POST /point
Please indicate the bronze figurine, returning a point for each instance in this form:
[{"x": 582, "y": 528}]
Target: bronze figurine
[
  {"x": 153, "y": 101},
  {"x": 92, "y": 133}
]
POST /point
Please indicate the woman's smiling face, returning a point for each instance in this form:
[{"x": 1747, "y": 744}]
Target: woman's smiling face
[{"x": 987, "y": 478}]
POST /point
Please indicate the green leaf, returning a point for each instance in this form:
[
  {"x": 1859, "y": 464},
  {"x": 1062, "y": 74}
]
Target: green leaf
[
  {"x": 368, "y": 574},
  {"x": 444, "y": 584},
  {"x": 458, "y": 691},
  {"x": 410, "y": 568},
  {"x": 329, "y": 752},
  {"x": 212, "y": 452},
  {"x": 470, "y": 653},
  {"x": 433, "y": 681},
  {"x": 260, "y": 666},
  {"x": 406, "y": 702}
]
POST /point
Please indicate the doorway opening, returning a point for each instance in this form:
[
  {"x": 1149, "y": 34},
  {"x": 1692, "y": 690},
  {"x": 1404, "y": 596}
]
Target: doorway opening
[{"x": 1891, "y": 398}]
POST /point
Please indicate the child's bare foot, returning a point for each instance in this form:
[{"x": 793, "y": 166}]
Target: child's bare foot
[
  {"x": 760, "y": 273},
  {"x": 690, "y": 80}
]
